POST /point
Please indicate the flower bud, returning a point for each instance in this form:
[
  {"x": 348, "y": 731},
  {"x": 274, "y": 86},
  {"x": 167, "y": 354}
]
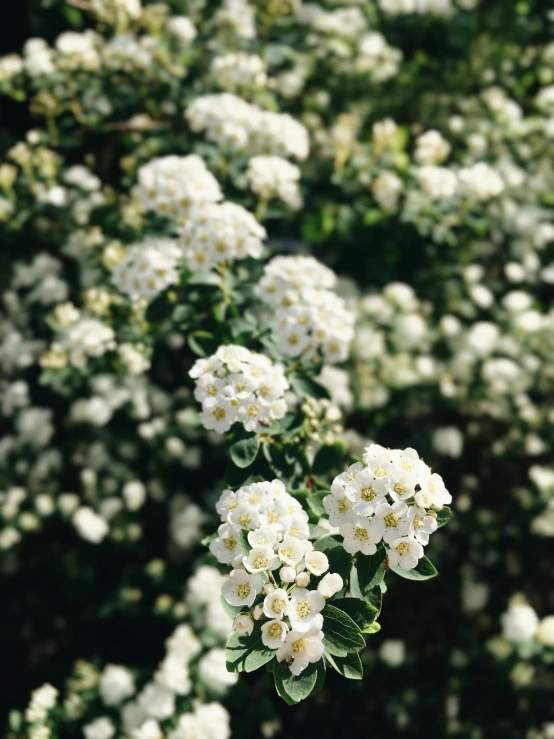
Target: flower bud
[
  {"x": 287, "y": 574},
  {"x": 243, "y": 624},
  {"x": 330, "y": 584},
  {"x": 258, "y": 612},
  {"x": 303, "y": 579}
]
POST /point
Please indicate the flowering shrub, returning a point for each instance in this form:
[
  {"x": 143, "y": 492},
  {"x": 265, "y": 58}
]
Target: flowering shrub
[{"x": 255, "y": 255}]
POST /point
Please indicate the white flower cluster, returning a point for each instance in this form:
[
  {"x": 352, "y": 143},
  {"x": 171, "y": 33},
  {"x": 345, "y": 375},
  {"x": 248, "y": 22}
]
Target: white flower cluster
[
  {"x": 227, "y": 119},
  {"x": 147, "y": 268},
  {"x": 442, "y": 8},
  {"x": 522, "y": 627},
  {"x": 219, "y": 232},
  {"x": 170, "y": 185},
  {"x": 142, "y": 714},
  {"x": 238, "y": 16},
  {"x": 377, "y": 58},
  {"x": 238, "y": 71},
  {"x": 85, "y": 339},
  {"x": 309, "y": 317},
  {"x": 481, "y": 181},
  {"x": 116, "y": 12},
  {"x": 273, "y": 177},
  {"x": 236, "y": 385},
  {"x": 272, "y": 581},
  {"x": 388, "y": 497}
]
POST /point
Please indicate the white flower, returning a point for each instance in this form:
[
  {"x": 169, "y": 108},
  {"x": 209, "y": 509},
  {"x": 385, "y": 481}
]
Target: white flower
[
  {"x": 363, "y": 493},
  {"x": 261, "y": 558},
  {"x": 276, "y": 603},
  {"x": 337, "y": 506},
  {"x": 274, "y": 177},
  {"x": 100, "y": 728},
  {"x": 219, "y": 232},
  {"x": 330, "y": 585},
  {"x": 545, "y": 631},
  {"x": 226, "y": 547},
  {"x": 304, "y": 609},
  {"x": 421, "y": 525},
  {"x": 317, "y": 563},
  {"x": 90, "y": 525},
  {"x": 301, "y": 648},
  {"x": 243, "y": 624},
  {"x": 88, "y": 338},
  {"x": 236, "y": 384},
  {"x": 392, "y": 652},
  {"x": 240, "y": 589},
  {"x": 404, "y": 552},
  {"x": 147, "y": 268},
  {"x": 239, "y": 71},
  {"x": 481, "y": 181},
  {"x": 228, "y": 120},
  {"x": 213, "y": 671},
  {"x": 116, "y": 685},
  {"x": 431, "y": 148},
  {"x": 291, "y": 551},
  {"x": 181, "y": 27},
  {"x": 274, "y": 634},
  {"x": 359, "y": 536},
  {"x": 391, "y": 521},
  {"x": 157, "y": 701},
  {"x": 287, "y": 574},
  {"x": 519, "y": 623},
  {"x": 170, "y": 185}
]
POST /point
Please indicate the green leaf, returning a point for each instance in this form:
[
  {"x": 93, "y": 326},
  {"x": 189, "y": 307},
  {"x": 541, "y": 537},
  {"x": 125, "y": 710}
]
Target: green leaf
[
  {"x": 246, "y": 653},
  {"x": 370, "y": 570},
  {"x": 362, "y": 613},
  {"x": 328, "y": 457},
  {"x": 305, "y": 386},
  {"x": 184, "y": 315},
  {"x": 424, "y": 570},
  {"x": 339, "y": 559},
  {"x": 202, "y": 343},
  {"x": 349, "y": 666},
  {"x": 294, "y": 689},
  {"x": 443, "y": 516},
  {"x": 244, "y": 451},
  {"x": 235, "y": 476},
  {"x": 244, "y": 543},
  {"x": 230, "y": 610},
  {"x": 207, "y": 539},
  {"x": 342, "y": 635},
  {"x": 315, "y": 503},
  {"x": 372, "y": 628}
]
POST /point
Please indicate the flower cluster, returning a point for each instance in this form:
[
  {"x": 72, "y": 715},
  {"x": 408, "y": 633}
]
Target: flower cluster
[
  {"x": 87, "y": 338},
  {"x": 228, "y": 120},
  {"x": 236, "y": 385},
  {"x": 309, "y": 317},
  {"x": 391, "y": 496},
  {"x": 219, "y": 232},
  {"x": 147, "y": 268},
  {"x": 238, "y": 71},
  {"x": 170, "y": 185},
  {"x": 264, "y": 537},
  {"x": 274, "y": 177}
]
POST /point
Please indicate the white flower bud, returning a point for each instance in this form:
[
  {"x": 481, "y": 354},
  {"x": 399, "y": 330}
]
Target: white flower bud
[
  {"x": 287, "y": 574},
  {"x": 330, "y": 584},
  {"x": 243, "y": 624},
  {"x": 303, "y": 579},
  {"x": 258, "y": 612}
]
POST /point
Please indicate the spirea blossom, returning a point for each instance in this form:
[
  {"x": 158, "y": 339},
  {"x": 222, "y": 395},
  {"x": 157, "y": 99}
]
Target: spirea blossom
[
  {"x": 308, "y": 316},
  {"x": 227, "y": 119},
  {"x": 85, "y": 339},
  {"x": 219, "y": 232},
  {"x": 390, "y": 496},
  {"x": 264, "y": 537},
  {"x": 147, "y": 268},
  {"x": 238, "y": 71},
  {"x": 236, "y": 385},
  {"x": 273, "y": 177},
  {"x": 170, "y": 185}
]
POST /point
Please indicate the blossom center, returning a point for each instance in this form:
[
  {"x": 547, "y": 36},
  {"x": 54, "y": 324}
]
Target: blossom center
[
  {"x": 243, "y": 590},
  {"x": 303, "y": 609}
]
